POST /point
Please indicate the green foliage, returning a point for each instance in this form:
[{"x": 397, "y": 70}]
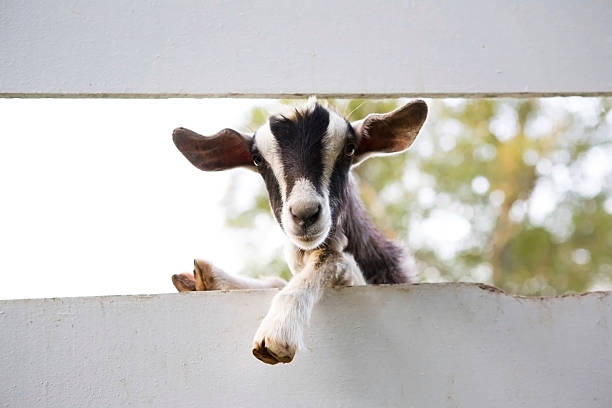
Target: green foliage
[{"x": 528, "y": 179}]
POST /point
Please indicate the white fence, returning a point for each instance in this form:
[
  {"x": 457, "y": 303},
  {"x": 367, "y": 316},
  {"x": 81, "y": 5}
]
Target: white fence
[
  {"x": 433, "y": 345},
  {"x": 420, "y": 346},
  {"x": 345, "y": 47}
]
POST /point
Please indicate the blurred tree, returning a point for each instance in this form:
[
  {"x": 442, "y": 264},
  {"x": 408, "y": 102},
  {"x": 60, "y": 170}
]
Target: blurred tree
[{"x": 512, "y": 192}]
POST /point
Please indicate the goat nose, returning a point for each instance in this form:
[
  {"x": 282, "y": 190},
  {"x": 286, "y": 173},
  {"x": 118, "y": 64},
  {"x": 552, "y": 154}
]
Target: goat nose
[{"x": 305, "y": 213}]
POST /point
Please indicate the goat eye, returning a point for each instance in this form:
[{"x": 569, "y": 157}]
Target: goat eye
[
  {"x": 257, "y": 160},
  {"x": 349, "y": 150}
]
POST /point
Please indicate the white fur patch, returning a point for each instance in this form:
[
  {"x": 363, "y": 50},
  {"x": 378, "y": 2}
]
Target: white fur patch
[
  {"x": 303, "y": 190},
  {"x": 285, "y": 321},
  {"x": 353, "y": 275},
  {"x": 333, "y": 143},
  {"x": 268, "y": 147}
]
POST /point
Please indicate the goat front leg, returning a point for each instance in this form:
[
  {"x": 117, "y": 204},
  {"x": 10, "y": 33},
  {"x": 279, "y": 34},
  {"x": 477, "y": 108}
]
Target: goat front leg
[
  {"x": 207, "y": 276},
  {"x": 280, "y": 334}
]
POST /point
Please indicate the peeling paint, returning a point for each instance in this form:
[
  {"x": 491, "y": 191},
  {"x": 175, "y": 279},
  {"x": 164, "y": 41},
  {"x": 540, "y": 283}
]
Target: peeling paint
[{"x": 489, "y": 288}]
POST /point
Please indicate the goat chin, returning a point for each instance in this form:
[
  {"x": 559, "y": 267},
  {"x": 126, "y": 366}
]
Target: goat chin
[{"x": 310, "y": 244}]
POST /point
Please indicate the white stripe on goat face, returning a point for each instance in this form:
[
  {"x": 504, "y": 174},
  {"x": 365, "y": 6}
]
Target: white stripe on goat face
[
  {"x": 269, "y": 149},
  {"x": 333, "y": 144}
]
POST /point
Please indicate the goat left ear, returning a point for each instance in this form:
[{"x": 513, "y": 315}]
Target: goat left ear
[
  {"x": 391, "y": 132},
  {"x": 225, "y": 150}
]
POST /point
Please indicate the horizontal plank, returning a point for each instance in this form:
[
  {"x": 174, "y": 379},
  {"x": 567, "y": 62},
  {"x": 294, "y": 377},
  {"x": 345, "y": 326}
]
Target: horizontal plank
[
  {"x": 430, "y": 345},
  {"x": 135, "y": 48}
]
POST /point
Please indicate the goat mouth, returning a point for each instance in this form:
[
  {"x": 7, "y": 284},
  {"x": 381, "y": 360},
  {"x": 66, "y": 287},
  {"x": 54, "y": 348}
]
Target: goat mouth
[{"x": 309, "y": 241}]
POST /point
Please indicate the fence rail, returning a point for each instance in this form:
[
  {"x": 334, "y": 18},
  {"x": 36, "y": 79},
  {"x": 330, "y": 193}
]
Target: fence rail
[
  {"x": 430, "y": 345},
  {"x": 135, "y": 48}
]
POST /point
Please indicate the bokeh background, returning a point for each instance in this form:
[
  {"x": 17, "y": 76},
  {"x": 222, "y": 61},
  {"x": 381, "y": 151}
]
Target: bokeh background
[
  {"x": 512, "y": 192},
  {"x": 96, "y": 200}
]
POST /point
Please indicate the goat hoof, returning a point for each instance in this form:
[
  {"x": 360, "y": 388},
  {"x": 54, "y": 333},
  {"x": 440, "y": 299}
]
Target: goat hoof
[
  {"x": 273, "y": 352},
  {"x": 204, "y": 278},
  {"x": 183, "y": 282}
]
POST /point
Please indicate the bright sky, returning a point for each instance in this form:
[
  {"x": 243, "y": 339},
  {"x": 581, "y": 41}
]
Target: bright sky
[{"x": 96, "y": 200}]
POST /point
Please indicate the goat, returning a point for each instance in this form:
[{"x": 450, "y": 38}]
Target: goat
[{"x": 305, "y": 158}]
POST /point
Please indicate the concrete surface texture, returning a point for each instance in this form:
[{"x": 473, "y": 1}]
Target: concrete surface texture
[
  {"x": 430, "y": 345},
  {"x": 346, "y": 47}
]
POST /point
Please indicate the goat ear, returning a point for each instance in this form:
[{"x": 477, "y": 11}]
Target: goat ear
[
  {"x": 391, "y": 132},
  {"x": 225, "y": 150}
]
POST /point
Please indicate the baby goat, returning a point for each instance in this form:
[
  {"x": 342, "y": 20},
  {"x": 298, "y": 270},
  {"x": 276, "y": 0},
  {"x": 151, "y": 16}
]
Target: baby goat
[{"x": 305, "y": 158}]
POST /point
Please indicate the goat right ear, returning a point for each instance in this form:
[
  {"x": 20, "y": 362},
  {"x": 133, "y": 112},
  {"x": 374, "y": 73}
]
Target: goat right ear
[
  {"x": 225, "y": 150},
  {"x": 389, "y": 133}
]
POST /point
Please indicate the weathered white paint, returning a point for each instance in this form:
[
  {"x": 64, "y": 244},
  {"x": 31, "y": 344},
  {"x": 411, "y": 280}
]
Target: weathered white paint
[
  {"x": 346, "y": 47},
  {"x": 433, "y": 345}
]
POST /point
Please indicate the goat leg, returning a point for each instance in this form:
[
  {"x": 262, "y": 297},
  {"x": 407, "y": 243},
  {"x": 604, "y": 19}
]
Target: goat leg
[
  {"x": 280, "y": 334},
  {"x": 207, "y": 276}
]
